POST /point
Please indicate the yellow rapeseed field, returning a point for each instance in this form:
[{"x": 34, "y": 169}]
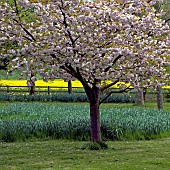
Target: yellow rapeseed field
[{"x": 56, "y": 83}]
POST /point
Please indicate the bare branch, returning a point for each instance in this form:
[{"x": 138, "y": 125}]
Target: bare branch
[
  {"x": 66, "y": 26},
  {"x": 115, "y": 60},
  {"x": 19, "y": 22},
  {"x": 76, "y": 73},
  {"x": 27, "y": 38},
  {"x": 69, "y": 70},
  {"x": 105, "y": 44},
  {"x": 109, "y": 85},
  {"x": 61, "y": 54},
  {"x": 167, "y": 20},
  {"x": 121, "y": 91}
]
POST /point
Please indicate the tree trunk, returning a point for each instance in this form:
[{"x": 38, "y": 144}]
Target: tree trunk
[
  {"x": 139, "y": 100},
  {"x": 94, "y": 96},
  {"x": 159, "y": 98},
  {"x": 69, "y": 87},
  {"x": 144, "y": 94},
  {"x": 95, "y": 121},
  {"x": 31, "y": 85},
  {"x": 32, "y": 90}
]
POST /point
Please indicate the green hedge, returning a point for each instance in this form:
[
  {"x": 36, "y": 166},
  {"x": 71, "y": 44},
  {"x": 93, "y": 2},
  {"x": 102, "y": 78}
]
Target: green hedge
[{"x": 63, "y": 97}]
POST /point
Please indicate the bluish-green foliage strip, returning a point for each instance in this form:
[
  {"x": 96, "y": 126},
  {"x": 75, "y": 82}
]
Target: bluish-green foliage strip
[
  {"x": 63, "y": 97},
  {"x": 20, "y": 121}
]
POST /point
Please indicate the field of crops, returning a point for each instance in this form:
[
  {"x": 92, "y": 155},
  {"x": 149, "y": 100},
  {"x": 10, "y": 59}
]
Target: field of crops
[
  {"x": 21, "y": 121},
  {"x": 58, "y": 82}
]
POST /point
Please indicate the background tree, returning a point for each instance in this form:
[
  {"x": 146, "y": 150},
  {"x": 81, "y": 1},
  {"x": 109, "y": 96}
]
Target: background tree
[
  {"x": 5, "y": 60},
  {"x": 29, "y": 16},
  {"x": 141, "y": 92},
  {"x": 92, "y": 42},
  {"x": 165, "y": 6}
]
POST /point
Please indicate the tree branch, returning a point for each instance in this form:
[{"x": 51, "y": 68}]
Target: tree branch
[
  {"x": 115, "y": 60},
  {"x": 71, "y": 72},
  {"x": 121, "y": 91},
  {"x": 76, "y": 73},
  {"x": 82, "y": 80},
  {"x": 25, "y": 30},
  {"x": 167, "y": 20},
  {"x": 58, "y": 53},
  {"x": 105, "y": 44},
  {"x": 109, "y": 85},
  {"x": 66, "y": 26}
]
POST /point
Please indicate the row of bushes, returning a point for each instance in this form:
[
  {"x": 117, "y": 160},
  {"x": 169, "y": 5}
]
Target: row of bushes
[{"x": 63, "y": 97}]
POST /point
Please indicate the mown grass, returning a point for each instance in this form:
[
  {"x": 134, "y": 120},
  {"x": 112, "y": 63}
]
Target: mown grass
[{"x": 62, "y": 155}]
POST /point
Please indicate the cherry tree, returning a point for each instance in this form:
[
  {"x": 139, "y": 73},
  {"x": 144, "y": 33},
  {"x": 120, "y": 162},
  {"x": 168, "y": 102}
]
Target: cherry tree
[{"x": 96, "y": 42}]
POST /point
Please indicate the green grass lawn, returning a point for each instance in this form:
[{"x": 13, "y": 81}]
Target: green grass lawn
[{"x": 62, "y": 155}]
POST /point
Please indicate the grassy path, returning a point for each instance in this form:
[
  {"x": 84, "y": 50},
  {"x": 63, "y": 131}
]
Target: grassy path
[{"x": 61, "y": 155}]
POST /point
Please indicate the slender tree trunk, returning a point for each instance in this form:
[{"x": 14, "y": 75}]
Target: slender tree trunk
[
  {"x": 31, "y": 87},
  {"x": 32, "y": 90},
  {"x": 31, "y": 84},
  {"x": 139, "y": 100},
  {"x": 159, "y": 98},
  {"x": 95, "y": 121},
  {"x": 69, "y": 87},
  {"x": 144, "y": 94}
]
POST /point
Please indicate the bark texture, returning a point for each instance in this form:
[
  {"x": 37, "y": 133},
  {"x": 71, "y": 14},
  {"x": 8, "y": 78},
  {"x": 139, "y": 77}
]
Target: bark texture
[
  {"x": 32, "y": 90},
  {"x": 139, "y": 98},
  {"x": 93, "y": 96},
  {"x": 69, "y": 87},
  {"x": 95, "y": 121},
  {"x": 159, "y": 98}
]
